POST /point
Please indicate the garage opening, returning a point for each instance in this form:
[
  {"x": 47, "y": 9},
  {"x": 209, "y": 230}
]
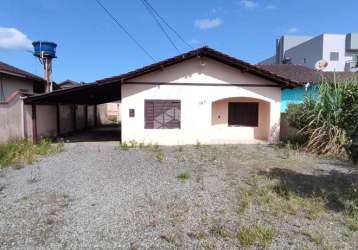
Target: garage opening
[{"x": 84, "y": 113}]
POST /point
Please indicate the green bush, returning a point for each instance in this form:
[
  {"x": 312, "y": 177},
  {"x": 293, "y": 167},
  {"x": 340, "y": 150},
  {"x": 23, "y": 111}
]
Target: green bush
[
  {"x": 330, "y": 120},
  {"x": 23, "y": 151}
]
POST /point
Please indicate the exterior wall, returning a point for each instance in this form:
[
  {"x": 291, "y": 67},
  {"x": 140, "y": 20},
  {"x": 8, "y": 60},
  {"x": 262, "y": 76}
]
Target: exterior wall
[
  {"x": 287, "y": 42},
  {"x": 336, "y": 43},
  {"x": 109, "y": 111},
  {"x": 197, "y": 99},
  {"x": 46, "y": 120},
  {"x": 220, "y": 119},
  {"x": 80, "y": 117},
  {"x": 91, "y": 116},
  {"x": 296, "y": 95},
  {"x": 11, "y": 123},
  {"x": 270, "y": 60},
  {"x": 10, "y": 84},
  {"x": 310, "y": 50},
  {"x": 307, "y": 51}
]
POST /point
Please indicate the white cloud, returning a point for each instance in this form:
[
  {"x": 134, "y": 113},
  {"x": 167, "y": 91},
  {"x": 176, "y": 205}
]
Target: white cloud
[
  {"x": 11, "y": 38},
  {"x": 208, "y": 23},
  {"x": 292, "y": 30},
  {"x": 249, "y": 4}
]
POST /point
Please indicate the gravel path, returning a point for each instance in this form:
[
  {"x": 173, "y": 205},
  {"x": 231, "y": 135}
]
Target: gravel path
[{"x": 96, "y": 196}]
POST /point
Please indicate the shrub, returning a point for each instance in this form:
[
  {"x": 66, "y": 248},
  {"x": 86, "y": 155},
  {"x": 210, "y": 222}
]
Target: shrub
[
  {"x": 23, "y": 151},
  {"x": 330, "y": 120}
]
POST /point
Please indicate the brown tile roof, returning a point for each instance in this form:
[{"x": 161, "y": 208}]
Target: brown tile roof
[
  {"x": 13, "y": 71},
  {"x": 210, "y": 53},
  {"x": 303, "y": 74},
  {"x": 68, "y": 84}
]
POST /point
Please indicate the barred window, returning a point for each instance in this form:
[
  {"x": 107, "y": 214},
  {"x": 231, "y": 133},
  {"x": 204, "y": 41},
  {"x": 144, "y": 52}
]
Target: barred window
[{"x": 162, "y": 114}]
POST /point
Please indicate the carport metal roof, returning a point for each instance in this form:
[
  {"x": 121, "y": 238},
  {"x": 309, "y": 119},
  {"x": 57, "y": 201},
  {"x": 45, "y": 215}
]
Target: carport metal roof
[
  {"x": 109, "y": 89},
  {"x": 94, "y": 93}
]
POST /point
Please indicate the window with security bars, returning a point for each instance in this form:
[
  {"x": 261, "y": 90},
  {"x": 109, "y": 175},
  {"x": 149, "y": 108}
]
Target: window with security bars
[{"x": 162, "y": 114}]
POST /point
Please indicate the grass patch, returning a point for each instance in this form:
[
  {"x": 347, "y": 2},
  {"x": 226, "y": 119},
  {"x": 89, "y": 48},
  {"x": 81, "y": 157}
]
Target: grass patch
[
  {"x": 184, "y": 176},
  {"x": 160, "y": 156},
  {"x": 20, "y": 152},
  {"x": 219, "y": 230},
  {"x": 256, "y": 234},
  {"x": 276, "y": 197}
]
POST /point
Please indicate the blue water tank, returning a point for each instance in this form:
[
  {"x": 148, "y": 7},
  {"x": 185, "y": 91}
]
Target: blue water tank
[{"x": 46, "y": 49}]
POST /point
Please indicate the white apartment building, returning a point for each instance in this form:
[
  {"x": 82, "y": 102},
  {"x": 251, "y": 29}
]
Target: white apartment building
[{"x": 340, "y": 51}]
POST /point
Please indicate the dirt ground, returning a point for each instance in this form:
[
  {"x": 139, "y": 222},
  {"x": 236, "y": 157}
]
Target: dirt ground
[{"x": 102, "y": 195}]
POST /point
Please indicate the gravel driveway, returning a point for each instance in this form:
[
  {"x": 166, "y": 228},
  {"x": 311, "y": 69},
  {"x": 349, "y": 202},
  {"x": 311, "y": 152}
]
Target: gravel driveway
[{"x": 97, "y": 196}]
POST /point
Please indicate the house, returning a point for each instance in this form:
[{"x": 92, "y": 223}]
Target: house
[
  {"x": 68, "y": 84},
  {"x": 202, "y": 95},
  {"x": 13, "y": 80},
  {"x": 15, "y": 83},
  {"x": 339, "y": 50},
  {"x": 308, "y": 79}
]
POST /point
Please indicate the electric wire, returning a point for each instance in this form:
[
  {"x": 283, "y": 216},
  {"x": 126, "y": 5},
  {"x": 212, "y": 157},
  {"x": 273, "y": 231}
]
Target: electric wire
[
  {"x": 167, "y": 24},
  {"x": 150, "y": 11},
  {"x": 125, "y": 30}
]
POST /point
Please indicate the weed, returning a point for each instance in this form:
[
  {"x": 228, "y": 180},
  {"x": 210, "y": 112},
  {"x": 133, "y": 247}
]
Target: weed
[
  {"x": 19, "y": 152},
  {"x": 219, "y": 230},
  {"x": 256, "y": 234},
  {"x": 160, "y": 156},
  {"x": 124, "y": 146},
  {"x": 198, "y": 144},
  {"x": 318, "y": 239},
  {"x": 244, "y": 204},
  {"x": 184, "y": 176},
  {"x": 199, "y": 235},
  {"x": 133, "y": 143}
]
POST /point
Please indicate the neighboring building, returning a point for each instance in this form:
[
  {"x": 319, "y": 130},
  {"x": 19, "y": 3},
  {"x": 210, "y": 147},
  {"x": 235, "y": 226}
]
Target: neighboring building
[
  {"x": 15, "y": 84},
  {"x": 340, "y": 51},
  {"x": 307, "y": 77},
  {"x": 68, "y": 84},
  {"x": 202, "y": 95},
  {"x": 13, "y": 80}
]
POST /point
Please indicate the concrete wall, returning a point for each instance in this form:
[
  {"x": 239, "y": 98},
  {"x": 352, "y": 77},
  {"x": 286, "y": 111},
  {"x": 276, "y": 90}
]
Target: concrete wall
[
  {"x": 336, "y": 43},
  {"x": 46, "y": 121},
  {"x": 307, "y": 53},
  {"x": 197, "y": 100},
  {"x": 9, "y": 84},
  {"x": 108, "y": 111},
  {"x": 11, "y": 122}
]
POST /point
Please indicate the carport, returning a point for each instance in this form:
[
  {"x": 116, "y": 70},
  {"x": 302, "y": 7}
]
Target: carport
[{"x": 69, "y": 111}]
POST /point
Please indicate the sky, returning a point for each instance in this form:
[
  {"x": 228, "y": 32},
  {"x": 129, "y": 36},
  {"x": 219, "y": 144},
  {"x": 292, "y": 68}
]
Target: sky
[{"x": 91, "y": 46}]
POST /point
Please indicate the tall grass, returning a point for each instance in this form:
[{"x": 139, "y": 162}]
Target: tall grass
[
  {"x": 23, "y": 151},
  {"x": 329, "y": 121}
]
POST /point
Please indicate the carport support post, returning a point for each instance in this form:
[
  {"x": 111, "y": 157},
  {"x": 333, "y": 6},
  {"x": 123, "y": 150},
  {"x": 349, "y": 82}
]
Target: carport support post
[
  {"x": 86, "y": 116},
  {"x": 95, "y": 115},
  {"x": 34, "y": 127},
  {"x": 74, "y": 117},
  {"x": 58, "y": 128}
]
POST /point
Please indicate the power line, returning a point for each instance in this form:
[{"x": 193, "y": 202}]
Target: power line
[
  {"x": 125, "y": 30},
  {"x": 167, "y": 24},
  {"x": 160, "y": 25}
]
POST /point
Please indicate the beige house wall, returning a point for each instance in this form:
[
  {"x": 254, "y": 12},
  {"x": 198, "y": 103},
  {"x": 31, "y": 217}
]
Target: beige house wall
[
  {"x": 195, "y": 83},
  {"x": 11, "y": 84},
  {"x": 11, "y": 123}
]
